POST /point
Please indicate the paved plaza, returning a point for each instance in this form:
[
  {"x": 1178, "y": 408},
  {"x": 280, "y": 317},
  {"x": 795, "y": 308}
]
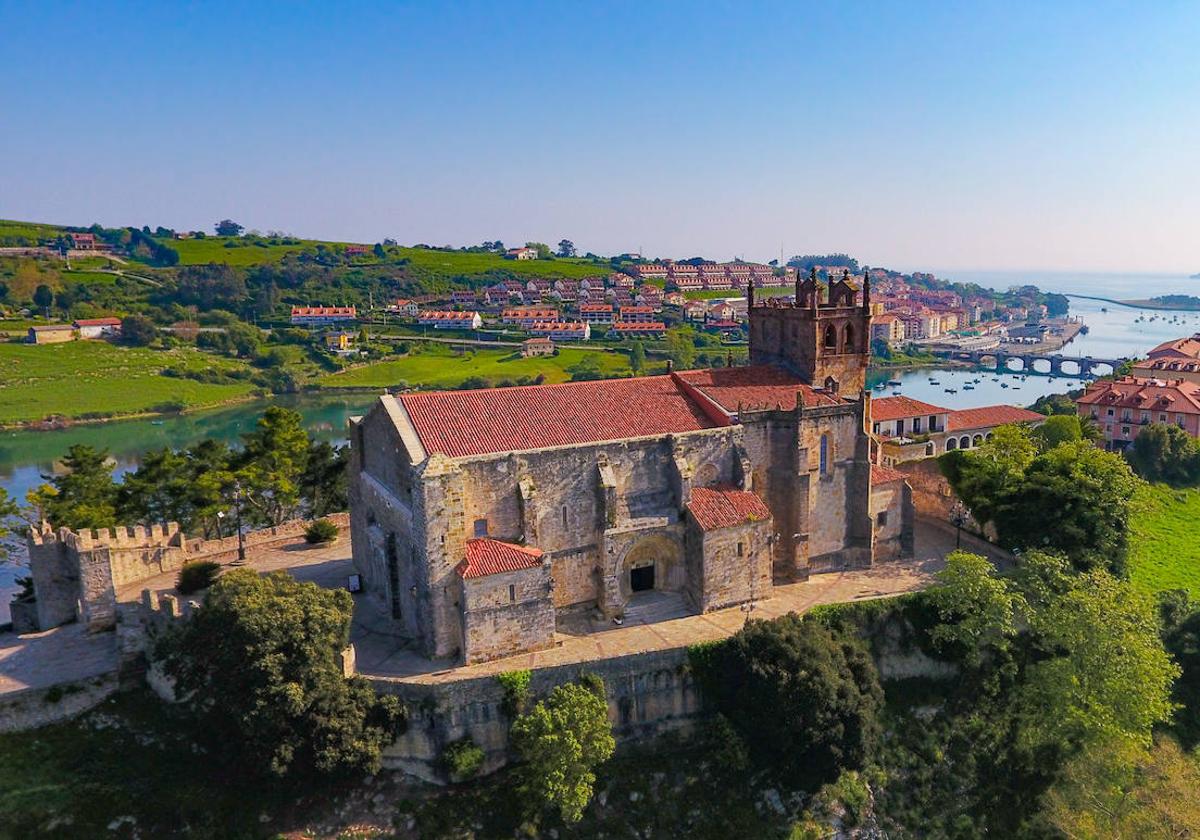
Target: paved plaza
[{"x": 656, "y": 621}]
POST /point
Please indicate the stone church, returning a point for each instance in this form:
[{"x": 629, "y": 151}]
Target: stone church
[{"x": 482, "y": 519}]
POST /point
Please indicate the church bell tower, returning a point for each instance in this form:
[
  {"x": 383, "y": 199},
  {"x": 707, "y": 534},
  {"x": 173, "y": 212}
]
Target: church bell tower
[{"x": 823, "y": 335}]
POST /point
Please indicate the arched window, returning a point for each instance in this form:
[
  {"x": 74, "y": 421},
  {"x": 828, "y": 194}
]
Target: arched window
[
  {"x": 978, "y": 439},
  {"x": 824, "y": 454},
  {"x": 988, "y": 436},
  {"x": 964, "y": 442},
  {"x": 831, "y": 337},
  {"x": 951, "y": 443},
  {"x": 848, "y": 339}
]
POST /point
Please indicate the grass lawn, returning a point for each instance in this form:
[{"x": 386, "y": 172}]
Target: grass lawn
[
  {"x": 93, "y": 378},
  {"x": 29, "y": 230},
  {"x": 212, "y": 249},
  {"x": 1164, "y": 552},
  {"x": 440, "y": 367}
]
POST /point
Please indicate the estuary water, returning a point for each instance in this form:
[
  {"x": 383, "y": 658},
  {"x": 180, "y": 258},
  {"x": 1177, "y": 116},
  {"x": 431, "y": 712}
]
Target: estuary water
[{"x": 1114, "y": 331}]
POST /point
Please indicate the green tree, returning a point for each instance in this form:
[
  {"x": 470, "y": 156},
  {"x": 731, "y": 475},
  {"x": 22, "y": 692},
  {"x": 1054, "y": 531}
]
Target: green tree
[
  {"x": 681, "y": 347},
  {"x": 43, "y": 298},
  {"x": 1118, "y": 790},
  {"x": 805, "y": 700},
  {"x": 1056, "y": 429},
  {"x": 544, "y": 252},
  {"x": 979, "y": 614},
  {"x": 271, "y": 467},
  {"x": 637, "y": 358},
  {"x": 228, "y": 227},
  {"x": 1102, "y": 671},
  {"x": 566, "y": 248},
  {"x": 138, "y": 330},
  {"x": 378, "y": 251},
  {"x": 159, "y": 490},
  {"x": 562, "y": 741},
  {"x": 85, "y": 495},
  {"x": 259, "y": 669},
  {"x": 324, "y": 483},
  {"x": 586, "y": 369},
  {"x": 1183, "y": 643},
  {"x": 1163, "y": 452}
]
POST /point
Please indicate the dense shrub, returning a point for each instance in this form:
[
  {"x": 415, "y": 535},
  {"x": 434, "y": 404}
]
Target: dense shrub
[
  {"x": 462, "y": 759},
  {"x": 805, "y": 699},
  {"x": 320, "y": 531},
  {"x": 197, "y": 575}
]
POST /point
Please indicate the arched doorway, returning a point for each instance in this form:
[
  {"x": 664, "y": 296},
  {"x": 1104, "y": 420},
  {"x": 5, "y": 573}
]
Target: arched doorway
[{"x": 653, "y": 563}]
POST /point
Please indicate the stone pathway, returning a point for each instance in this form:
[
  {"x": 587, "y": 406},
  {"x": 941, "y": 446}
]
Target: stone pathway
[{"x": 64, "y": 654}]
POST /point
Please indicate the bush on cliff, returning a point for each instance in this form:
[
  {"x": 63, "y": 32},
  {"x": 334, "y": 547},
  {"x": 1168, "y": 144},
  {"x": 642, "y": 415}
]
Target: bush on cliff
[
  {"x": 805, "y": 700},
  {"x": 259, "y": 668},
  {"x": 197, "y": 575}
]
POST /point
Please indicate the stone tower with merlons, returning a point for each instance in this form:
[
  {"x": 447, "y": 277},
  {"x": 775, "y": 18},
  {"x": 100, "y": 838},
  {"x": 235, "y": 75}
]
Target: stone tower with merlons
[{"x": 823, "y": 335}]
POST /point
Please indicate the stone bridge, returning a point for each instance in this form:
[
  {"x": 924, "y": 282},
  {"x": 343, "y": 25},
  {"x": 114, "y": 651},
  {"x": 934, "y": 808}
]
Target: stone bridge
[{"x": 999, "y": 359}]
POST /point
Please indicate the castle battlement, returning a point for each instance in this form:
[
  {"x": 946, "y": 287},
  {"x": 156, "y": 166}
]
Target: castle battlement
[{"x": 138, "y": 536}]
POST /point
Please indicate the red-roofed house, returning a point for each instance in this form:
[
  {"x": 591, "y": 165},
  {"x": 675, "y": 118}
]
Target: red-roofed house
[
  {"x": 98, "y": 327},
  {"x": 732, "y": 529},
  {"x": 911, "y": 430},
  {"x": 317, "y": 316},
  {"x": 1123, "y": 406},
  {"x": 1177, "y": 359},
  {"x": 562, "y": 330},
  {"x": 596, "y": 313},
  {"x": 441, "y": 319},
  {"x": 637, "y": 329}
]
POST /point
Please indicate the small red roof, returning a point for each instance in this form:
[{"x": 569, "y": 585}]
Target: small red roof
[
  {"x": 883, "y": 475},
  {"x": 488, "y": 557},
  {"x": 98, "y": 322},
  {"x": 990, "y": 415},
  {"x": 897, "y": 408},
  {"x": 725, "y": 507},
  {"x": 1140, "y": 393}
]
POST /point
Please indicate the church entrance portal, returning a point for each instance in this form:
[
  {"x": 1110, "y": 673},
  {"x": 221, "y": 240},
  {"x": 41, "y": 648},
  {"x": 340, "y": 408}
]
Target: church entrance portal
[{"x": 642, "y": 579}]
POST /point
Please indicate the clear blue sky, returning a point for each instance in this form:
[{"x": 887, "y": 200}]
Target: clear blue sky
[{"x": 974, "y": 135}]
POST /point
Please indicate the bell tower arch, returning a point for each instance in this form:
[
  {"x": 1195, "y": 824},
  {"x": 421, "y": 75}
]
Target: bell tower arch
[{"x": 823, "y": 335}]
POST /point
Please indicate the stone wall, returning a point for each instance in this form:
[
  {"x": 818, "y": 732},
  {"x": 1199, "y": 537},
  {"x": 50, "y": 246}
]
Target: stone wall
[
  {"x": 507, "y": 613},
  {"x": 891, "y": 507},
  {"x": 729, "y": 566},
  {"x": 648, "y": 694},
  {"x": 77, "y": 574}
]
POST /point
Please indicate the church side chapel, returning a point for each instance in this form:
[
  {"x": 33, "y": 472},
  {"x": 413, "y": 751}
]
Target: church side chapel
[{"x": 483, "y": 520}]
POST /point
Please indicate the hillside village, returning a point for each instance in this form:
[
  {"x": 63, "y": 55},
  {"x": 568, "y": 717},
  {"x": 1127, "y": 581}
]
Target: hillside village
[{"x": 486, "y": 549}]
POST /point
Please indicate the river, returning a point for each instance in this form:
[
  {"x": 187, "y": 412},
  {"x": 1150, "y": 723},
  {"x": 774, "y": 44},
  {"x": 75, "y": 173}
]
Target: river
[{"x": 27, "y": 456}]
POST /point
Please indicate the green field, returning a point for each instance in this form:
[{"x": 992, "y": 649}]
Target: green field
[
  {"x": 1164, "y": 547},
  {"x": 213, "y": 249},
  {"x": 94, "y": 379},
  {"x": 29, "y": 230},
  {"x": 440, "y": 367}
]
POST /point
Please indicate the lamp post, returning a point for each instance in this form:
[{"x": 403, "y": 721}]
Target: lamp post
[
  {"x": 237, "y": 509},
  {"x": 958, "y": 518}
]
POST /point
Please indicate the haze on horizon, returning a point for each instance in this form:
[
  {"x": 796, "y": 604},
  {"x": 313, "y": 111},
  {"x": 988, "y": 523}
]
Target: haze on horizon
[{"x": 985, "y": 135}]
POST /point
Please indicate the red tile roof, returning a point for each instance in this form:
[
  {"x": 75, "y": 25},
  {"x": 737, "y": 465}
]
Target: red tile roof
[
  {"x": 489, "y": 557},
  {"x": 462, "y": 423},
  {"x": 725, "y": 507},
  {"x": 991, "y": 415},
  {"x": 1149, "y": 394},
  {"x": 883, "y": 475},
  {"x": 896, "y": 408},
  {"x": 755, "y": 386},
  {"x": 324, "y": 311},
  {"x": 1179, "y": 348},
  {"x": 98, "y": 322}
]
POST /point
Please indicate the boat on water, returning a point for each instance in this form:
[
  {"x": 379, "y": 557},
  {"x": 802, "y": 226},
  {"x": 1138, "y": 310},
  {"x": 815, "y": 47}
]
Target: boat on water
[
  {"x": 880, "y": 386},
  {"x": 895, "y": 383},
  {"x": 1003, "y": 384},
  {"x": 968, "y": 387},
  {"x": 934, "y": 382},
  {"x": 951, "y": 390}
]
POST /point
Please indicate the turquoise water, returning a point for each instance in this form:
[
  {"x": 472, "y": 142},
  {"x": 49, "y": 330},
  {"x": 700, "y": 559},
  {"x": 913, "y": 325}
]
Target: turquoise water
[{"x": 1121, "y": 331}]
